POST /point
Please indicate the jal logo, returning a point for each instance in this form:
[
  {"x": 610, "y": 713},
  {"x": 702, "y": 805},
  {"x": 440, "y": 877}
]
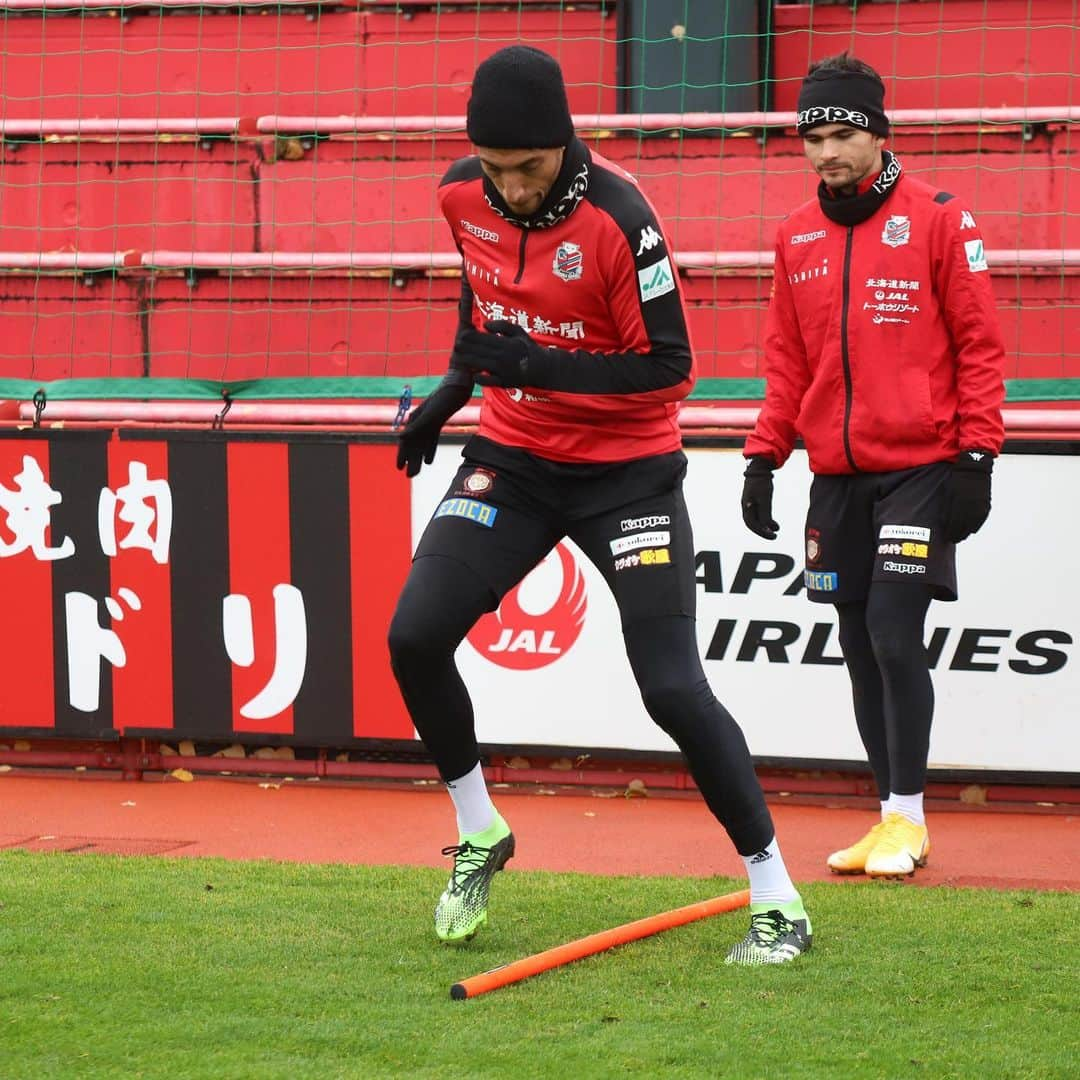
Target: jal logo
[
  {"x": 897, "y": 231},
  {"x": 568, "y": 263},
  {"x": 539, "y": 620}
]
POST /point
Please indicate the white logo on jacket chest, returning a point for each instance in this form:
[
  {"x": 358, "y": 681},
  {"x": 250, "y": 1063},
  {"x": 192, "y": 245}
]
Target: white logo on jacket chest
[
  {"x": 897, "y": 231},
  {"x": 481, "y": 273},
  {"x": 812, "y": 273}
]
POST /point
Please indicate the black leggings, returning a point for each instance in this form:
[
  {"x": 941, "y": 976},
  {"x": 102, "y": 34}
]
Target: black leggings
[
  {"x": 441, "y": 600},
  {"x": 882, "y": 641}
]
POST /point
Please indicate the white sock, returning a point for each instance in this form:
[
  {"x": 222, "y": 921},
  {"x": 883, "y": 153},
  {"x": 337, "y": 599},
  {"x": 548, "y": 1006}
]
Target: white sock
[
  {"x": 475, "y": 810},
  {"x": 886, "y": 806},
  {"x": 769, "y": 881},
  {"x": 908, "y": 805}
]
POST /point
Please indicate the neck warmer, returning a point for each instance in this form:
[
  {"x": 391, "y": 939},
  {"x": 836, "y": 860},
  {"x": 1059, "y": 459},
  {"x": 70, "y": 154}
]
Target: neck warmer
[
  {"x": 567, "y": 191},
  {"x": 855, "y": 209}
]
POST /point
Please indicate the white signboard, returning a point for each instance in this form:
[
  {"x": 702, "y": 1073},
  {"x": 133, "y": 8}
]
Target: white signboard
[{"x": 549, "y": 667}]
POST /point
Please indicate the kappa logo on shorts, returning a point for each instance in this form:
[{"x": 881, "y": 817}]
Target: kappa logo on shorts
[
  {"x": 470, "y": 509},
  {"x": 821, "y": 580},
  {"x": 903, "y": 567},
  {"x": 650, "y": 521}
]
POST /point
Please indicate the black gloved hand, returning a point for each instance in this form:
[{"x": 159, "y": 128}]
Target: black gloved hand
[
  {"x": 420, "y": 435},
  {"x": 757, "y": 497},
  {"x": 504, "y": 356},
  {"x": 968, "y": 494}
]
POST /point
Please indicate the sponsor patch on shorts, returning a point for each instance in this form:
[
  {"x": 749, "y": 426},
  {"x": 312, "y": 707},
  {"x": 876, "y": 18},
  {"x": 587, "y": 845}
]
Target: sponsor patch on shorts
[
  {"x": 470, "y": 509},
  {"x": 904, "y": 532},
  {"x": 479, "y": 482},
  {"x": 649, "y": 557},
  {"x": 623, "y": 544},
  {"x": 908, "y": 549},
  {"x": 821, "y": 580}
]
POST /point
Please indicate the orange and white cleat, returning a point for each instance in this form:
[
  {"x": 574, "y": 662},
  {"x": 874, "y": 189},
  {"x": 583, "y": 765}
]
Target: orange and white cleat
[{"x": 902, "y": 847}]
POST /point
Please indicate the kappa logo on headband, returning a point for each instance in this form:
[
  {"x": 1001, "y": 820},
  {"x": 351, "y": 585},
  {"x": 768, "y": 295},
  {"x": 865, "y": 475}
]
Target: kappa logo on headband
[{"x": 832, "y": 114}]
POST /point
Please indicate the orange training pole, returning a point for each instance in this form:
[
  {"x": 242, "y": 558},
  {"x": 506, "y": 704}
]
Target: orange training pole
[{"x": 594, "y": 943}]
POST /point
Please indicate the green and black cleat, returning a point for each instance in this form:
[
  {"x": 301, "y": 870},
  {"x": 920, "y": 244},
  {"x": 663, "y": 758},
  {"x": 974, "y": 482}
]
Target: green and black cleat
[{"x": 462, "y": 908}]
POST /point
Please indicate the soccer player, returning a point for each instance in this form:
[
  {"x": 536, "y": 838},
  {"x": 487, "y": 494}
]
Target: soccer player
[
  {"x": 882, "y": 351},
  {"x": 572, "y": 321}
]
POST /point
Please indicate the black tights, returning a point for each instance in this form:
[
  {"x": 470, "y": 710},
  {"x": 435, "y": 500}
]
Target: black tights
[
  {"x": 439, "y": 604},
  {"x": 882, "y": 642}
]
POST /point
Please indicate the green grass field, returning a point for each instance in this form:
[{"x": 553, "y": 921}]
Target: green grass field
[{"x": 144, "y": 967}]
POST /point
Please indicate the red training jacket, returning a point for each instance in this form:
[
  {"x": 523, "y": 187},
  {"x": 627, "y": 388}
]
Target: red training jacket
[
  {"x": 882, "y": 345},
  {"x": 599, "y": 285}
]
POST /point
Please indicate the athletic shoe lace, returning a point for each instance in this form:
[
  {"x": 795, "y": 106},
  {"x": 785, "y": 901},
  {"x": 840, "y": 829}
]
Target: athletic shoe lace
[
  {"x": 767, "y": 927},
  {"x": 468, "y": 860}
]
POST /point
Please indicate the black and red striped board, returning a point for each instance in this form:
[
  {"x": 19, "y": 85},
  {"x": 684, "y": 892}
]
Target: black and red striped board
[{"x": 205, "y": 585}]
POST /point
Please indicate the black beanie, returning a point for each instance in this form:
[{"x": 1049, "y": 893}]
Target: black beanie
[
  {"x": 519, "y": 101},
  {"x": 836, "y": 96}
]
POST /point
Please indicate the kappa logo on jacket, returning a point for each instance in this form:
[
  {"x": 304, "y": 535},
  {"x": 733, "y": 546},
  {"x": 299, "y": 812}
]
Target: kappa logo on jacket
[
  {"x": 649, "y": 239},
  {"x": 481, "y": 234}
]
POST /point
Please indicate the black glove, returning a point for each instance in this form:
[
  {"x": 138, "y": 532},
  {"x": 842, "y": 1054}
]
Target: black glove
[
  {"x": 757, "y": 497},
  {"x": 968, "y": 494},
  {"x": 420, "y": 435},
  {"x": 504, "y": 356}
]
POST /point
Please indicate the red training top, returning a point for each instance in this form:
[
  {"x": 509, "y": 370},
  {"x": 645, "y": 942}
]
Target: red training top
[{"x": 595, "y": 281}]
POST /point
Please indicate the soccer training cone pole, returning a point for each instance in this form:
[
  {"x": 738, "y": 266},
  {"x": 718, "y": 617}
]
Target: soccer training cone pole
[{"x": 594, "y": 943}]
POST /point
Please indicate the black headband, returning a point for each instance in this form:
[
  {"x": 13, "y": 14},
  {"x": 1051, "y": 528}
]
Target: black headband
[{"x": 831, "y": 96}]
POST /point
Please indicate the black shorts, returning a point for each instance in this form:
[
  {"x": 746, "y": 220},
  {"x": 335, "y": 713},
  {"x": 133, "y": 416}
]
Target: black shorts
[
  {"x": 878, "y": 527},
  {"x": 506, "y": 509}
]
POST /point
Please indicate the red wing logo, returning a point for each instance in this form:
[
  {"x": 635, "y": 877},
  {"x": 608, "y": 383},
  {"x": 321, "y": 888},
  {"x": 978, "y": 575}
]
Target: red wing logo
[{"x": 523, "y": 640}]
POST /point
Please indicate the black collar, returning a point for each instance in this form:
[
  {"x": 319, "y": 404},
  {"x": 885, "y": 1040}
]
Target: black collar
[
  {"x": 855, "y": 209},
  {"x": 567, "y": 191}
]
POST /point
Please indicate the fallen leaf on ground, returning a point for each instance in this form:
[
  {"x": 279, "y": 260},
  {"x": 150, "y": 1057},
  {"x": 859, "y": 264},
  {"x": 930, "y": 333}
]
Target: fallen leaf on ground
[{"x": 234, "y": 751}]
